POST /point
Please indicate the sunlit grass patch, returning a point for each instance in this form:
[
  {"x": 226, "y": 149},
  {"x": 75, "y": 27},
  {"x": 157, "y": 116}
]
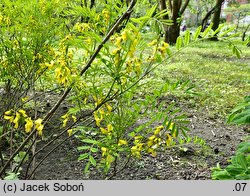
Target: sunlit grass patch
[{"x": 221, "y": 78}]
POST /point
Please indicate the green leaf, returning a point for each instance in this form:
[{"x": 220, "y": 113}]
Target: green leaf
[
  {"x": 241, "y": 160},
  {"x": 12, "y": 176},
  {"x": 1, "y": 130},
  {"x": 197, "y": 33},
  {"x": 168, "y": 51},
  {"x": 83, "y": 156},
  {"x": 179, "y": 43},
  {"x": 208, "y": 29},
  {"x": 161, "y": 14},
  {"x": 187, "y": 38},
  {"x": 220, "y": 174},
  {"x": 90, "y": 141},
  {"x": 237, "y": 52},
  {"x": 222, "y": 34},
  {"x": 92, "y": 160},
  {"x": 234, "y": 171},
  {"x": 218, "y": 29},
  {"x": 152, "y": 10},
  {"x": 243, "y": 177},
  {"x": 86, "y": 169},
  {"x": 94, "y": 150},
  {"x": 83, "y": 148},
  {"x": 20, "y": 156}
]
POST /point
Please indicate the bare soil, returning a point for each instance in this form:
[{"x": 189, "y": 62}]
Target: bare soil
[{"x": 174, "y": 164}]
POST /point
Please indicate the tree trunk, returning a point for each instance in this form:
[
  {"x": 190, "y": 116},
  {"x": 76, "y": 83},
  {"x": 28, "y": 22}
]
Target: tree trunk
[
  {"x": 216, "y": 17},
  {"x": 217, "y": 13},
  {"x": 176, "y": 8}
]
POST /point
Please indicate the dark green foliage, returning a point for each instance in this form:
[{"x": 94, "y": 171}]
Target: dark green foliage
[
  {"x": 241, "y": 114},
  {"x": 239, "y": 168}
]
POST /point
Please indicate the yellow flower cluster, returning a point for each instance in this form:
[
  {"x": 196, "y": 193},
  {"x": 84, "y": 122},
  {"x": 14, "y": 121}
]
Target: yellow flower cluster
[
  {"x": 106, "y": 15},
  {"x": 107, "y": 157},
  {"x": 20, "y": 116},
  {"x": 1, "y": 19},
  {"x": 62, "y": 75},
  {"x": 138, "y": 146},
  {"x": 161, "y": 47},
  {"x": 64, "y": 58},
  {"x": 5, "y": 20},
  {"x": 102, "y": 112},
  {"x": 108, "y": 130},
  {"x": 122, "y": 142},
  {"x": 82, "y": 27},
  {"x": 66, "y": 118},
  {"x": 134, "y": 64},
  {"x": 154, "y": 141}
]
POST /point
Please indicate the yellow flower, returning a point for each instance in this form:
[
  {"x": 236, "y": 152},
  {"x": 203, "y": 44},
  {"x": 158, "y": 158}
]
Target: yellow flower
[
  {"x": 136, "y": 150},
  {"x": 70, "y": 131},
  {"x": 50, "y": 65},
  {"x": 116, "y": 51},
  {"x": 104, "y": 151},
  {"x": 152, "y": 151},
  {"x": 168, "y": 140},
  {"x": 65, "y": 122},
  {"x": 23, "y": 113},
  {"x": 109, "y": 159},
  {"x": 118, "y": 41},
  {"x": 152, "y": 137},
  {"x": 104, "y": 131},
  {"x": 102, "y": 112},
  {"x": 122, "y": 142},
  {"x": 163, "y": 48},
  {"x": 109, "y": 108},
  {"x": 7, "y": 116},
  {"x": 65, "y": 116},
  {"x": 110, "y": 128},
  {"x": 124, "y": 35},
  {"x": 154, "y": 42},
  {"x": 24, "y": 99},
  {"x": 171, "y": 125},
  {"x": 97, "y": 119},
  {"x": 158, "y": 130},
  {"x": 39, "y": 126},
  {"x": 106, "y": 14},
  {"x": 9, "y": 112},
  {"x": 28, "y": 125},
  {"x": 137, "y": 67},
  {"x": 74, "y": 118},
  {"x": 137, "y": 139},
  {"x": 16, "y": 120},
  {"x": 129, "y": 66},
  {"x": 10, "y": 118}
]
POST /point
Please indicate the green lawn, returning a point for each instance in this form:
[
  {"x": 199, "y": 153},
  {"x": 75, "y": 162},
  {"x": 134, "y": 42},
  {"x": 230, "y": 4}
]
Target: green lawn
[{"x": 221, "y": 79}]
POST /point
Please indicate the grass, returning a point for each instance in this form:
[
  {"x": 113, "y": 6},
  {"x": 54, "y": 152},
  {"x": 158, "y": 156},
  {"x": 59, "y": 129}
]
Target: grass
[{"x": 221, "y": 79}]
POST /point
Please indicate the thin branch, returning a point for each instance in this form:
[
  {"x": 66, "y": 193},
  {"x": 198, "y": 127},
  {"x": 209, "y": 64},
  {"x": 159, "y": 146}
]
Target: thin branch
[{"x": 184, "y": 6}]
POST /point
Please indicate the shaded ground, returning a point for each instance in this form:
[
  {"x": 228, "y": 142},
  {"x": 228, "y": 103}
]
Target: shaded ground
[{"x": 173, "y": 164}]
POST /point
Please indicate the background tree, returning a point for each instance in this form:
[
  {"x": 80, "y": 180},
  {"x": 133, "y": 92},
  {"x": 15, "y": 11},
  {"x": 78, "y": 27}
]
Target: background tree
[
  {"x": 237, "y": 13},
  {"x": 216, "y": 12},
  {"x": 176, "y": 9},
  {"x": 197, "y": 9}
]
